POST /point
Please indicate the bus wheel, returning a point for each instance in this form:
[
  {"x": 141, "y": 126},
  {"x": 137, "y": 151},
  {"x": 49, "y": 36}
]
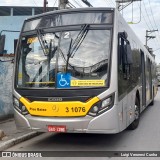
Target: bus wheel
[
  {"x": 135, "y": 123},
  {"x": 152, "y": 103}
]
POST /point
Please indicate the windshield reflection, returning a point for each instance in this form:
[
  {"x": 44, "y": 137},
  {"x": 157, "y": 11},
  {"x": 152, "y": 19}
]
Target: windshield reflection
[{"x": 39, "y": 64}]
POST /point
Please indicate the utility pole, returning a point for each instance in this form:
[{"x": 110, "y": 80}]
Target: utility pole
[
  {"x": 149, "y": 37},
  {"x": 117, "y": 5},
  {"x": 62, "y": 4},
  {"x": 120, "y": 2},
  {"x": 45, "y": 6}
]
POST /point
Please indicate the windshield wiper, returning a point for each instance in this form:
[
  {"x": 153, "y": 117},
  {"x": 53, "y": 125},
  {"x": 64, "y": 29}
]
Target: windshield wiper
[
  {"x": 47, "y": 50},
  {"x": 74, "y": 46},
  {"x": 43, "y": 44},
  {"x": 79, "y": 39}
]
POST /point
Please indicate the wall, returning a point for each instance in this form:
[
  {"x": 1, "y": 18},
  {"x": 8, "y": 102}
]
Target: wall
[
  {"x": 6, "y": 73},
  {"x": 6, "y": 68}
]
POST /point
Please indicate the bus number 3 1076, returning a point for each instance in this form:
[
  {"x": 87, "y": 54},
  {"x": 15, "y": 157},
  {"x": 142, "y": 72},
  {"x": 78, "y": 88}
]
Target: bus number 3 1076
[{"x": 75, "y": 109}]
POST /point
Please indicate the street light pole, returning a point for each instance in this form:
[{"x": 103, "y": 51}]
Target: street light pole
[
  {"x": 120, "y": 2},
  {"x": 117, "y": 5},
  {"x": 62, "y": 4},
  {"x": 45, "y": 6}
]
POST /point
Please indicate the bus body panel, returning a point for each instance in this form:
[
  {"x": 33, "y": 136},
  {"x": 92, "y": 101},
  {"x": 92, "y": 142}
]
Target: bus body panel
[
  {"x": 128, "y": 102},
  {"x": 85, "y": 124}
]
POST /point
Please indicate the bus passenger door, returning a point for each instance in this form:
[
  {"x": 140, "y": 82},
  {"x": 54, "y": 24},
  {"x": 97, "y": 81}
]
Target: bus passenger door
[
  {"x": 143, "y": 77},
  {"x": 148, "y": 82}
]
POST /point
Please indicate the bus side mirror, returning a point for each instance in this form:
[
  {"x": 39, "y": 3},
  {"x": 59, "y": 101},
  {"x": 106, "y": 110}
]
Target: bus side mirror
[
  {"x": 125, "y": 48},
  {"x": 125, "y": 54},
  {"x": 127, "y": 60},
  {"x": 129, "y": 54},
  {"x": 125, "y": 35}
]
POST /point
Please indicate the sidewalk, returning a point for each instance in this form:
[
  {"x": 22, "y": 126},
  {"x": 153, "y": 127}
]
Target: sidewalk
[{"x": 11, "y": 135}]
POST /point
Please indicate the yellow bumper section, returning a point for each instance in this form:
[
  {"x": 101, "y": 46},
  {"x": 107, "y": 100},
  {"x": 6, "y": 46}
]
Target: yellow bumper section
[{"x": 58, "y": 109}]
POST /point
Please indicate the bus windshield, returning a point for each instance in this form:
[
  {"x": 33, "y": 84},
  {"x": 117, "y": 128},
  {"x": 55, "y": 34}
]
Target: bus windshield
[{"x": 66, "y": 59}]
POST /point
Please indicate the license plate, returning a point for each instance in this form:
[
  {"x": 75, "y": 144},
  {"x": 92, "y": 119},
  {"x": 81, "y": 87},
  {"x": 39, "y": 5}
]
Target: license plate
[{"x": 56, "y": 128}]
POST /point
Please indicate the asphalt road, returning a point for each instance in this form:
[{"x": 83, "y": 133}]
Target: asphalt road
[{"x": 145, "y": 138}]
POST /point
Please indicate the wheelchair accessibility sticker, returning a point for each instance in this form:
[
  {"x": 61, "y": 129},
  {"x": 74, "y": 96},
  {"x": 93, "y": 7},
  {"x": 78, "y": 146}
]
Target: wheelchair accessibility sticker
[{"x": 63, "y": 80}]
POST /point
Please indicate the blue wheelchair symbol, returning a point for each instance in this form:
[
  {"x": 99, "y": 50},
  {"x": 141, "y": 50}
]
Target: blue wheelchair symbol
[{"x": 63, "y": 80}]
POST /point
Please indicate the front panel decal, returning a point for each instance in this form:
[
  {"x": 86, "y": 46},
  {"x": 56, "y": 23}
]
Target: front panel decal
[
  {"x": 87, "y": 83},
  {"x": 63, "y": 80},
  {"x": 59, "y": 109}
]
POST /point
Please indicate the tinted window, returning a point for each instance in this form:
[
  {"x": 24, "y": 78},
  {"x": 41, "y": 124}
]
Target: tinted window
[
  {"x": 5, "y": 11},
  {"x": 22, "y": 11},
  {"x": 128, "y": 74}
]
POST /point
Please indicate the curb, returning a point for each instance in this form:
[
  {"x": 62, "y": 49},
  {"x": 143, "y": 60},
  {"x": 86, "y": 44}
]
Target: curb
[{"x": 17, "y": 140}]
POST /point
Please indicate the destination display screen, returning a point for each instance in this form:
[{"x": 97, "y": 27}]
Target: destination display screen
[{"x": 54, "y": 20}]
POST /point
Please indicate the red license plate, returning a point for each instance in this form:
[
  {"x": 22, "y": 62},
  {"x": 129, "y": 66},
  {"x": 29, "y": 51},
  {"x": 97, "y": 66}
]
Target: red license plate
[{"x": 56, "y": 128}]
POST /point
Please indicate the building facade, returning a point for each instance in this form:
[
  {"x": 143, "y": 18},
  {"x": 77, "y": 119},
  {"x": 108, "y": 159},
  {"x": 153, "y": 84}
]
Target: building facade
[{"x": 11, "y": 20}]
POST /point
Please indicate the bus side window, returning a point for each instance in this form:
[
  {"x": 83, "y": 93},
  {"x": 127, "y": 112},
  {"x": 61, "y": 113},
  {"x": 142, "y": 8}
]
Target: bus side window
[{"x": 125, "y": 55}]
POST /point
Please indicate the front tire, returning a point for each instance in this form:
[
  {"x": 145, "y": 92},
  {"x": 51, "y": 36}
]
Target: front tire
[
  {"x": 135, "y": 123},
  {"x": 152, "y": 103}
]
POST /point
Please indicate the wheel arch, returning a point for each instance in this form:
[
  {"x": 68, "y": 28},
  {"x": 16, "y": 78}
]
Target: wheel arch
[{"x": 138, "y": 97}]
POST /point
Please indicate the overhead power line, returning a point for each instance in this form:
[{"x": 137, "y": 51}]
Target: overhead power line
[
  {"x": 144, "y": 19},
  {"x": 71, "y": 5},
  {"x": 152, "y": 14},
  {"x": 108, "y": 3},
  {"x": 148, "y": 15},
  {"x": 78, "y": 3},
  {"x": 113, "y": 3},
  {"x": 87, "y": 3},
  {"x": 35, "y": 3},
  {"x": 54, "y": 3},
  {"x": 151, "y": 23},
  {"x": 158, "y": 36}
]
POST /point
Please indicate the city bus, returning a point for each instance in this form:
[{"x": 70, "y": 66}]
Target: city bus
[{"x": 81, "y": 71}]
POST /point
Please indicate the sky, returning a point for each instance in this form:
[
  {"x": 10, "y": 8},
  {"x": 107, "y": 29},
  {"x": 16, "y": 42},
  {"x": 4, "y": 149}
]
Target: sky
[{"x": 149, "y": 19}]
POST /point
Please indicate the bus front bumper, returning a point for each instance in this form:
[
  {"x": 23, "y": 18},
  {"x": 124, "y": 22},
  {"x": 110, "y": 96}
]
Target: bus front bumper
[{"x": 105, "y": 123}]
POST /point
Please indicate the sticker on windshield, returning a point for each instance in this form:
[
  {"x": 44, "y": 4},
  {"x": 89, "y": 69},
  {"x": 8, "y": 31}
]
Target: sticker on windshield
[
  {"x": 87, "y": 83},
  {"x": 32, "y": 40},
  {"x": 63, "y": 80},
  {"x": 66, "y": 35},
  {"x": 20, "y": 78}
]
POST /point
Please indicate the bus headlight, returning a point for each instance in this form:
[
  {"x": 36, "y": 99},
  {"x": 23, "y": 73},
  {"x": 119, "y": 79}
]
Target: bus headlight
[
  {"x": 106, "y": 102},
  {"x": 102, "y": 106},
  {"x": 95, "y": 109},
  {"x": 16, "y": 102},
  {"x": 19, "y": 106},
  {"x": 24, "y": 111}
]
